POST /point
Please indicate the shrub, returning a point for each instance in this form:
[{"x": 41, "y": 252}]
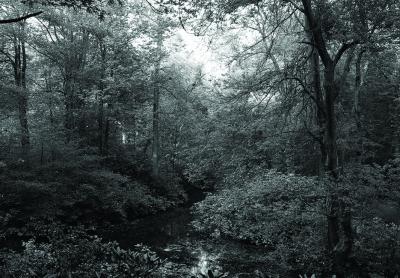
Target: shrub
[
  {"x": 281, "y": 212},
  {"x": 286, "y": 214},
  {"x": 375, "y": 196},
  {"x": 70, "y": 252},
  {"x": 377, "y": 247},
  {"x": 79, "y": 191}
]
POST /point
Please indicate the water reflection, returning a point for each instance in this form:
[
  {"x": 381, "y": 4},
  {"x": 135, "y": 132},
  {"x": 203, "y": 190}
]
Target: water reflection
[
  {"x": 171, "y": 236},
  {"x": 207, "y": 263},
  {"x": 202, "y": 265}
]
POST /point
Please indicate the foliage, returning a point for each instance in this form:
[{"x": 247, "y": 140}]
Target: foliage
[
  {"x": 286, "y": 214},
  {"x": 281, "y": 212},
  {"x": 79, "y": 190},
  {"x": 374, "y": 196},
  {"x": 70, "y": 252},
  {"x": 377, "y": 246}
]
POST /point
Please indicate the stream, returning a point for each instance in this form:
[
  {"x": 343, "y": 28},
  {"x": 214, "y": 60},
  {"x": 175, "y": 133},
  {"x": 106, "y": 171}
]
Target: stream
[{"x": 170, "y": 234}]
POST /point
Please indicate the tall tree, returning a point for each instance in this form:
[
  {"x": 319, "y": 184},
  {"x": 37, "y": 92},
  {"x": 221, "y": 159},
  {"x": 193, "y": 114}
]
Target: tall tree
[
  {"x": 20, "y": 66},
  {"x": 16, "y": 54}
]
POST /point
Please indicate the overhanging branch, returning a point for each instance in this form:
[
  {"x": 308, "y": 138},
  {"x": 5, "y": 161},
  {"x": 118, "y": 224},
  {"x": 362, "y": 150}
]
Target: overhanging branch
[{"x": 17, "y": 19}]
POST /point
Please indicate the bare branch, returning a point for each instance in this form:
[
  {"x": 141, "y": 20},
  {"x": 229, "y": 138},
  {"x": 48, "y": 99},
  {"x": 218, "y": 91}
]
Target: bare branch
[
  {"x": 296, "y": 6},
  {"x": 47, "y": 30}
]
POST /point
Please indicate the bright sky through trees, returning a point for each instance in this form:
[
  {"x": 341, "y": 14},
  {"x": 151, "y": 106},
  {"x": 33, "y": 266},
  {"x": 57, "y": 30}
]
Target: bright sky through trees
[{"x": 200, "y": 52}]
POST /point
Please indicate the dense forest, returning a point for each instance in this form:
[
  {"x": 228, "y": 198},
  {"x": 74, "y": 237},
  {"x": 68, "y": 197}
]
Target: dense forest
[{"x": 202, "y": 139}]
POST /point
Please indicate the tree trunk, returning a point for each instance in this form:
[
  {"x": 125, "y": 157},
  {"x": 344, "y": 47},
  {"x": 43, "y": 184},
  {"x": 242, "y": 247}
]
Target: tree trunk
[
  {"x": 340, "y": 240},
  {"x": 339, "y": 235},
  {"x": 53, "y": 129},
  {"x": 330, "y": 138},
  {"x": 51, "y": 115},
  {"x": 320, "y": 113},
  {"x": 357, "y": 89},
  {"x": 68, "y": 87},
  {"x": 156, "y": 129},
  {"x": 156, "y": 111},
  {"x": 102, "y": 113},
  {"x": 106, "y": 135},
  {"x": 20, "y": 81},
  {"x": 359, "y": 80},
  {"x": 331, "y": 92},
  {"x": 318, "y": 96}
]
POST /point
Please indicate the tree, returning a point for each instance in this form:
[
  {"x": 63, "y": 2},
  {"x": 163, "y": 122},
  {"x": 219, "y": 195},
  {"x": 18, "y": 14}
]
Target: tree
[
  {"x": 17, "y": 57},
  {"x": 155, "y": 151}
]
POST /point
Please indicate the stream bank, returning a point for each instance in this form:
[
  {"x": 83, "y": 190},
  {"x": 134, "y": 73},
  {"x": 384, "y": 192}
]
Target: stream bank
[{"x": 171, "y": 235}]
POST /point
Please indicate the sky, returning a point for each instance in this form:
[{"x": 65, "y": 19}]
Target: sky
[{"x": 199, "y": 52}]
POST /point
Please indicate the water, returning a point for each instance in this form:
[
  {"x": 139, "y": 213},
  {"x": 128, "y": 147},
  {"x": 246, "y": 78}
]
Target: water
[{"x": 170, "y": 234}]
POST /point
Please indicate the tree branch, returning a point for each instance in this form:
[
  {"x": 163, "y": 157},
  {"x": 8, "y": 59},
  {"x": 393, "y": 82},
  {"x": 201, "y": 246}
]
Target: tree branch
[
  {"x": 343, "y": 49},
  {"x": 297, "y": 7},
  {"x": 346, "y": 69},
  {"x": 316, "y": 31},
  {"x": 306, "y": 91},
  {"x": 17, "y": 19}
]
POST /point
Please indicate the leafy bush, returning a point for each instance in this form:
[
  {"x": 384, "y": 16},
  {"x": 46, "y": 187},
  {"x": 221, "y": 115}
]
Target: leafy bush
[
  {"x": 377, "y": 246},
  {"x": 286, "y": 213},
  {"x": 72, "y": 253},
  {"x": 79, "y": 190},
  {"x": 375, "y": 197},
  {"x": 281, "y": 212}
]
